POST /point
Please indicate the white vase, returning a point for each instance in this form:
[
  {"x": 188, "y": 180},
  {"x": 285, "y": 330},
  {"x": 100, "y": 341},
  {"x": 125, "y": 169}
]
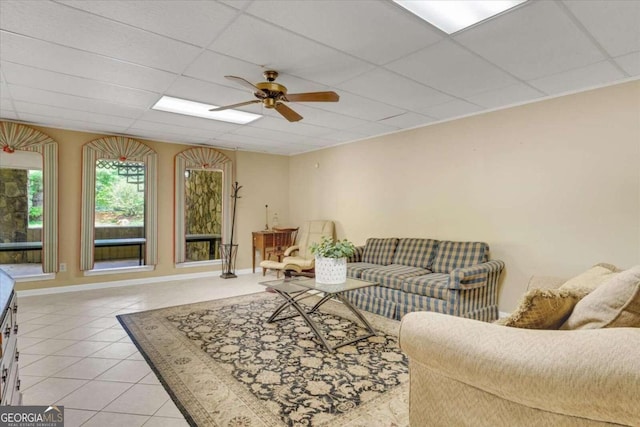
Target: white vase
[{"x": 331, "y": 270}]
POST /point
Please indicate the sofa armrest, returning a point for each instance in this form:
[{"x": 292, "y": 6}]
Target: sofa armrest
[
  {"x": 593, "y": 374},
  {"x": 357, "y": 255},
  {"x": 291, "y": 249},
  {"x": 475, "y": 276}
]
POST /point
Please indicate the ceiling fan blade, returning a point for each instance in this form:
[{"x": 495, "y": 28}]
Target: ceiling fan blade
[
  {"x": 313, "y": 97},
  {"x": 246, "y": 83},
  {"x": 228, "y": 107},
  {"x": 287, "y": 112}
]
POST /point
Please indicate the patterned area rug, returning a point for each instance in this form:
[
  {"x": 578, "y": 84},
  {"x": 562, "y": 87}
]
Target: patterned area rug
[{"x": 223, "y": 365}]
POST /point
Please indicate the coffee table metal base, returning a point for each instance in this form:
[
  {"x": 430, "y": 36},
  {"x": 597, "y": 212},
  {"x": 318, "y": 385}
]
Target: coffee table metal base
[{"x": 292, "y": 300}]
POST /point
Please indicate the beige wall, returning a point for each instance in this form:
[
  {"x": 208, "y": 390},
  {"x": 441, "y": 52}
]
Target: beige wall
[
  {"x": 267, "y": 185},
  {"x": 553, "y": 187}
]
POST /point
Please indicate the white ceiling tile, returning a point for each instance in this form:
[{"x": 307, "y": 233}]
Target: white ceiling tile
[
  {"x": 250, "y": 141},
  {"x": 535, "y": 40},
  {"x": 390, "y": 88},
  {"x": 258, "y": 42},
  {"x": 163, "y": 135},
  {"x": 44, "y": 55},
  {"x": 371, "y": 129},
  {"x": 174, "y": 130},
  {"x": 238, "y": 4},
  {"x": 81, "y": 125},
  {"x": 327, "y": 119},
  {"x": 407, "y": 120},
  {"x": 7, "y": 114},
  {"x": 506, "y": 96},
  {"x": 363, "y": 37},
  {"x": 445, "y": 66},
  {"x": 64, "y": 25},
  {"x": 296, "y": 128},
  {"x": 451, "y": 109},
  {"x": 280, "y": 137},
  {"x": 6, "y": 104},
  {"x": 357, "y": 106},
  {"x": 630, "y": 63},
  {"x": 615, "y": 24},
  {"x": 593, "y": 75},
  {"x": 72, "y": 102},
  {"x": 56, "y": 82},
  {"x": 67, "y": 114},
  {"x": 195, "y": 22},
  {"x": 213, "y": 66},
  {"x": 344, "y": 135}
]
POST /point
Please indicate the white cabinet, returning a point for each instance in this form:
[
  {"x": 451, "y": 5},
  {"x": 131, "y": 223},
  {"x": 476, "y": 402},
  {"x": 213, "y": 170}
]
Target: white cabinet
[{"x": 9, "y": 381}]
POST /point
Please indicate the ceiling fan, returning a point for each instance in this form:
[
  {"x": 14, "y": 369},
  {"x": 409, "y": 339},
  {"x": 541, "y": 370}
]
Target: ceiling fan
[{"x": 274, "y": 95}]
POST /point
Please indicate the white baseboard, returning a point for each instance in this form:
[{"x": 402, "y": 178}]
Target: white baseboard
[
  {"x": 127, "y": 282},
  {"x": 503, "y": 314}
]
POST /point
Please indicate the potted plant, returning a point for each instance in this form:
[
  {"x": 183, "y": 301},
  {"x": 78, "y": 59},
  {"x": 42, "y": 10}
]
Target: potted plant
[{"x": 331, "y": 259}]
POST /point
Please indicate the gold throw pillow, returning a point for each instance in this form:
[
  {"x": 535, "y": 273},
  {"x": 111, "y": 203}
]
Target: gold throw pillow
[
  {"x": 614, "y": 304},
  {"x": 543, "y": 309}
]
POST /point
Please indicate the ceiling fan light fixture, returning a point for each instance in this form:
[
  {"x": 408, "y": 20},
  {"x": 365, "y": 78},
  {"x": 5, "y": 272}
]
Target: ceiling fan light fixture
[
  {"x": 454, "y": 15},
  {"x": 198, "y": 109}
]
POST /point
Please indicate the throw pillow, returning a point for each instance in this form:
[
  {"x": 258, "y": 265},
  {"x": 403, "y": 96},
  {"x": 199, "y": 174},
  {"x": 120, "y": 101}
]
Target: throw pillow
[
  {"x": 543, "y": 309},
  {"x": 615, "y": 303},
  {"x": 592, "y": 278}
]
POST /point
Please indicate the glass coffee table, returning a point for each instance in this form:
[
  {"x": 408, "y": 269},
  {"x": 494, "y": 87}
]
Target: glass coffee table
[{"x": 295, "y": 289}]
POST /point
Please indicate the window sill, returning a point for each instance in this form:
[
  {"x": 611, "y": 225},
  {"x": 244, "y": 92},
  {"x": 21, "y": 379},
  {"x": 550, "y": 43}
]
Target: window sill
[
  {"x": 119, "y": 270},
  {"x": 192, "y": 264}
]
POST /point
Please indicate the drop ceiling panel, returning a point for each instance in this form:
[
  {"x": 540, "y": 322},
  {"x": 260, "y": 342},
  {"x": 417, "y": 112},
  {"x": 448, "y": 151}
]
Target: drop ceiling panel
[
  {"x": 64, "y": 25},
  {"x": 296, "y": 128},
  {"x": 280, "y": 137},
  {"x": 615, "y": 24},
  {"x": 61, "y": 123},
  {"x": 454, "y": 108},
  {"x": 407, "y": 120},
  {"x": 344, "y": 136},
  {"x": 180, "y": 138},
  {"x": 195, "y": 22},
  {"x": 188, "y": 121},
  {"x": 513, "y": 94},
  {"x": 327, "y": 119},
  {"x": 6, "y": 105},
  {"x": 592, "y": 75},
  {"x": 208, "y": 93},
  {"x": 32, "y": 77},
  {"x": 357, "y": 106},
  {"x": 67, "y": 114},
  {"x": 360, "y": 37},
  {"x": 44, "y": 55},
  {"x": 630, "y": 63},
  {"x": 71, "y": 102},
  {"x": 182, "y": 131},
  {"x": 371, "y": 129},
  {"x": 446, "y": 67},
  {"x": 402, "y": 92},
  {"x": 256, "y": 41},
  {"x": 533, "y": 41}
]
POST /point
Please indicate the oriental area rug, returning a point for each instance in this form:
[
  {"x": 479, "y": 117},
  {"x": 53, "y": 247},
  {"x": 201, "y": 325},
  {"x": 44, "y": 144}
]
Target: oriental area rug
[{"x": 223, "y": 365}]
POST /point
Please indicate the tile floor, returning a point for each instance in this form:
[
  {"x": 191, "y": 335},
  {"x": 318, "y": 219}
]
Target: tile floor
[{"x": 73, "y": 351}]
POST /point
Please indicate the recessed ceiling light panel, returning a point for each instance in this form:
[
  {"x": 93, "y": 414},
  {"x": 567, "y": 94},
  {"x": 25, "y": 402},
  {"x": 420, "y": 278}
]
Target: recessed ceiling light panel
[
  {"x": 454, "y": 15},
  {"x": 198, "y": 109}
]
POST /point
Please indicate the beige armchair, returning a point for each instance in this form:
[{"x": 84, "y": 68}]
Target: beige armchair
[
  {"x": 299, "y": 257},
  {"x": 469, "y": 373}
]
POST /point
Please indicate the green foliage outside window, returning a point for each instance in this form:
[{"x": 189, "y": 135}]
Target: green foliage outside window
[{"x": 117, "y": 201}]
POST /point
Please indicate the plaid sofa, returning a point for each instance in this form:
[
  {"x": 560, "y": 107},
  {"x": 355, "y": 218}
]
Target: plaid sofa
[{"x": 414, "y": 274}]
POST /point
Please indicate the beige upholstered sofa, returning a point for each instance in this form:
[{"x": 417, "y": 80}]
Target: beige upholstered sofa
[{"x": 470, "y": 373}]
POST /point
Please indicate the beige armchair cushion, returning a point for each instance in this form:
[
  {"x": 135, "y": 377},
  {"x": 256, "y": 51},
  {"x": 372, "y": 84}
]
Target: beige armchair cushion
[
  {"x": 616, "y": 303},
  {"x": 543, "y": 309}
]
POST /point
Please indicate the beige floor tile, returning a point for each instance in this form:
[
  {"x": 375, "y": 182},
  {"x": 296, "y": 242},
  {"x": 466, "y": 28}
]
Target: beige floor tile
[
  {"x": 50, "y": 390},
  {"x": 51, "y": 331},
  {"x": 104, "y": 322},
  {"x": 47, "y": 319},
  {"x": 94, "y": 395},
  {"x": 169, "y": 410},
  {"x": 150, "y": 378},
  {"x": 136, "y": 356},
  {"x": 116, "y": 350},
  {"x": 27, "y": 381},
  {"x": 48, "y": 365},
  {"x": 80, "y": 333},
  {"x": 111, "y": 335},
  {"x": 27, "y": 342},
  {"x": 140, "y": 399},
  {"x": 166, "y": 422},
  {"x": 110, "y": 419},
  {"x": 28, "y": 359},
  {"x": 46, "y": 347},
  {"x": 130, "y": 371},
  {"x": 27, "y": 328},
  {"x": 76, "y": 417},
  {"x": 82, "y": 348},
  {"x": 76, "y": 320},
  {"x": 87, "y": 369}
]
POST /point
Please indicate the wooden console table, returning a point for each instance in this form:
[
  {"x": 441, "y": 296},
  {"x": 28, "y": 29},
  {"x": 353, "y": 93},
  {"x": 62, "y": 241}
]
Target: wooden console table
[{"x": 265, "y": 239}]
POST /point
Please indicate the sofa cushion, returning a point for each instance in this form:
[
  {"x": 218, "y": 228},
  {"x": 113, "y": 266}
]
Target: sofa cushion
[
  {"x": 415, "y": 252},
  {"x": 379, "y": 251},
  {"x": 373, "y": 304},
  {"x": 392, "y": 276},
  {"x": 355, "y": 269},
  {"x": 543, "y": 309},
  {"x": 614, "y": 304},
  {"x": 452, "y": 255},
  {"x": 592, "y": 278},
  {"x": 434, "y": 285}
]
